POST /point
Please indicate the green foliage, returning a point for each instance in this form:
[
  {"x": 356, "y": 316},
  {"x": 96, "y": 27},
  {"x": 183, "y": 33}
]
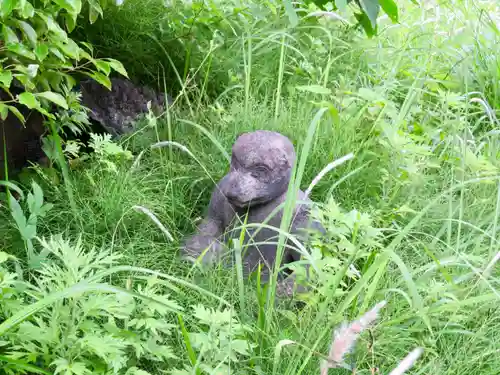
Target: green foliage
[
  {"x": 367, "y": 11},
  {"x": 103, "y": 146},
  {"x": 27, "y": 224},
  {"x": 38, "y": 55},
  {"x": 221, "y": 342},
  {"x": 195, "y": 45},
  {"x": 105, "y": 151},
  {"x": 412, "y": 219},
  {"x": 100, "y": 332},
  {"x": 351, "y": 241},
  {"x": 92, "y": 333},
  {"x": 102, "y": 150}
]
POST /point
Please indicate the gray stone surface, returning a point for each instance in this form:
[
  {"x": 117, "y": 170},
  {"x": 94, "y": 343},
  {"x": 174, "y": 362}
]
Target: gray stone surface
[{"x": 117, "y": 109}]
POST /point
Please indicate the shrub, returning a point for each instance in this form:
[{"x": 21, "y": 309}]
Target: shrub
[
  {"x": 40, "y": 60},
  {"x": 102, "y": 330},
  {"x": 365, "y": 11}
]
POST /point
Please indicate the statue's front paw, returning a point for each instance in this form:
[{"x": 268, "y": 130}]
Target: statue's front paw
[{"x": 206, "y": 247}]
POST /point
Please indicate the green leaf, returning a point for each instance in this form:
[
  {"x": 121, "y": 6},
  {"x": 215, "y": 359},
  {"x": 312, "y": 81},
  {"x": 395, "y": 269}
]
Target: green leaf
[
  {"x": 4, "y": 257},
  {"x": 4, "y": 111},
  {"x": 70, "y": 21},
  {"x": 57, "y": 53},
  {"x": 368, "y": 94},
  {"x": 21, "y": 50},
  {"x": 26, "y": 80},
  {"x": 28, "y": 71},
  {"x": 316, "y": 89},
  {"x": 70, "y": 81},
  {"x": 41, "y": 51},
  {"x": 88, "y": 46},
  {"x": 70, "y": 48},
  {"x": 290, "y": 12},
  {"x": 72, "y": 6},
  {"x": 365, "y": 22},
  {"x": 93, "y": 14},
  {"x": 55, "y": 78},
  {"x": 331, "y": 108},
  {"x": 27, "y": 10},
  {"x": 100, "y": 78},
  {"x": 95, "y": 11},
  {"x": 103, "y": 66},
  {"x": 9, "y": 36},
  {"x": 11, "y": 186},
  {"x": 28, "y": 31},
  {"x": 30, "y": 201},
  {"x": 117, "y": 66},
  {"x": 84, "y": 55},
  {"x": 32, "y": 70},
  {"x": 29, "y": 231},
  {"x": 17, "y": 214},
  {"x": 21, "y": 365},
  {"x": 136, "y": 371},
  {"x": 6, "y": 78},
  {"x": 29, "y": 100},
  {"x": 6, "y": 7},
  {"x": 16, "y": 112},
  {"x": 53, "y": 26},
  {"x": 341, "y": 5},
  {"x": 63, "y": 366},
  {"x": 240, "y": 346},
  {"x": 390, "y": 8},
  {"x": 371, "y": 9},
  {"x": 189, "y": 348},
  {"x": 54, "y": 98}
]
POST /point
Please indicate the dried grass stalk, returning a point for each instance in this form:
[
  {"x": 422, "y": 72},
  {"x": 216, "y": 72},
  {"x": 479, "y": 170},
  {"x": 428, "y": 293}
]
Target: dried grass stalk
[{"x": 345, "y": 337}]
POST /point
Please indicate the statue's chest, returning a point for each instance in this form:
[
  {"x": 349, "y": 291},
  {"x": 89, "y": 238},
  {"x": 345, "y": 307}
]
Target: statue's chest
[
  {"x": 259, "y": 222},
  {"x": 260, "y": 239},
  {"x": 260, "y": 236}
]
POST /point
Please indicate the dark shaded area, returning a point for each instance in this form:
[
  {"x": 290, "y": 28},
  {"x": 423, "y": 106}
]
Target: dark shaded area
[
  {"x": 145, "y": 35},
  {"x": 171, "y": 41},
  {"x": 20, "y": 143}
]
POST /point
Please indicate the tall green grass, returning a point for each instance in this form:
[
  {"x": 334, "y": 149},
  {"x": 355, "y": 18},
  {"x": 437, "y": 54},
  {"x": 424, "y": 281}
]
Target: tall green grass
[{"x": 417, "y": 108}]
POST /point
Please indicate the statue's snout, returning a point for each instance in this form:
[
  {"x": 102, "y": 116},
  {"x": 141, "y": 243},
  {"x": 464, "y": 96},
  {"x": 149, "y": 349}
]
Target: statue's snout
[
  {"x": 237, "y": 188},
  {"x": 230, "y": 186}
]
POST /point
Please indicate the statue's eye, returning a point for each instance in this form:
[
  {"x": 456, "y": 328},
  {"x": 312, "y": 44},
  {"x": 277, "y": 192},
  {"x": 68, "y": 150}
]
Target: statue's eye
[
  {"x": 234, "y": 162},
  {"x": 259, "y": 170}
]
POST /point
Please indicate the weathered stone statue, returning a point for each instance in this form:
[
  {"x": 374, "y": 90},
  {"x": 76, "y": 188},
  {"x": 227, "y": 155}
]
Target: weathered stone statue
[{"x": 256, "y": 184}]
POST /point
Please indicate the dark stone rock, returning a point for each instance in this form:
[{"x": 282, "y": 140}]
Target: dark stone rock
[
  {"x": 21, "y": 142},
  {"x": 112, "y": 111},
  {"x": 117, "y": 109}
]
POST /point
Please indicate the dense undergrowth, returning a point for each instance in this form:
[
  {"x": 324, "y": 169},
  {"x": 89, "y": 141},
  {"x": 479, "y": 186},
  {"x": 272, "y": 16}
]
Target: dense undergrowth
[{"x": 416, "y": 211}]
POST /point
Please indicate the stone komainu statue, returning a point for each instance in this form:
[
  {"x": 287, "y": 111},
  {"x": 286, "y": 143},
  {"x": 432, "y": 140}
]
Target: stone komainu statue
[{"x": 256, "y": 184}]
